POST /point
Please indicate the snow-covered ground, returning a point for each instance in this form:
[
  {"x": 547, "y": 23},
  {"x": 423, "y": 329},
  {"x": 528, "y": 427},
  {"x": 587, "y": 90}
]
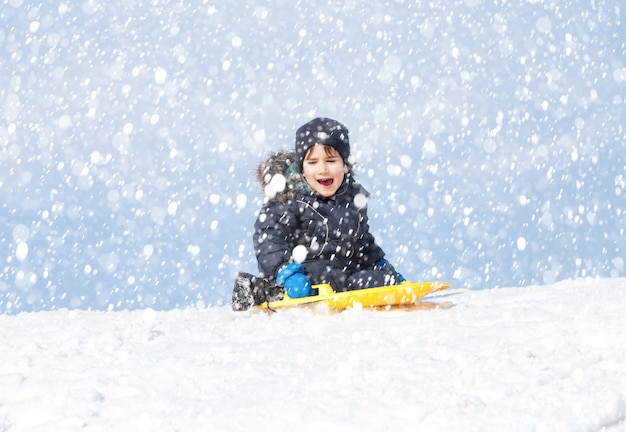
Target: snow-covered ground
[{"x": 545, "y": 358}]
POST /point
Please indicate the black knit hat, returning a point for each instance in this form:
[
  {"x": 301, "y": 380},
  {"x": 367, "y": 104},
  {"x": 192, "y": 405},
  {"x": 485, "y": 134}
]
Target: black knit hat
[{"x": 322, "y": 131}]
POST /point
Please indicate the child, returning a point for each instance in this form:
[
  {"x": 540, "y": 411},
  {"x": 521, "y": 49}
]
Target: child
[{"x": 313, "y": 227}]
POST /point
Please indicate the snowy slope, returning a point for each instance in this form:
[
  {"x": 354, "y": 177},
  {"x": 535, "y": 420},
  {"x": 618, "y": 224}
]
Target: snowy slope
[{"x": 545, "y": 358}]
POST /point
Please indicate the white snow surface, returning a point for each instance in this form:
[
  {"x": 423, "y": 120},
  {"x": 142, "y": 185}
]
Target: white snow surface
[{"x": 544, "y": 358}]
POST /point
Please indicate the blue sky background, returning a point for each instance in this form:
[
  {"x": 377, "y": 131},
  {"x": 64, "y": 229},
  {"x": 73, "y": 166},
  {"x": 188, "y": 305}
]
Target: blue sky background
[{"x": 491, "y": 135}]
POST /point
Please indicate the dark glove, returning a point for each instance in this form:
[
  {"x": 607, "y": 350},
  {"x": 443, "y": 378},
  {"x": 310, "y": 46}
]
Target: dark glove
[
  {"x": 383, "y": 264},
  {"x": 294, "y": 280}
]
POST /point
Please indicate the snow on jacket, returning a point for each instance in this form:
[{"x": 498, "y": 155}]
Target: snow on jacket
[{"x": 333, "y": 228}]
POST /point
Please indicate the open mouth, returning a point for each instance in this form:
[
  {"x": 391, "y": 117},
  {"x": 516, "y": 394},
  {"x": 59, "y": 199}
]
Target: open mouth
[{"x": 325, "y": 182}]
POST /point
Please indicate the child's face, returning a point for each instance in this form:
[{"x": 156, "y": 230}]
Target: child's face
[{"x": 324, "y": 170}]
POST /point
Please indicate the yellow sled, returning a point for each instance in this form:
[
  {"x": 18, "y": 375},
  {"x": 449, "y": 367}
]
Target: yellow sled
[{"x": 405, "y": 294}]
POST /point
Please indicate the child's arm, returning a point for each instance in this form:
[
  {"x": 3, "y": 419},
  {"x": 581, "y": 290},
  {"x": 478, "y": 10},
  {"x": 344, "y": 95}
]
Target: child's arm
[
  {"x": 272, "y": 234},
  {"x": 372, "y": 255},
  {"x": 368, "y": 252}
]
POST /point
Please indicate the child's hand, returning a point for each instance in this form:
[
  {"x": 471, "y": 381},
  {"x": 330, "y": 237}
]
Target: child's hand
[
  {"x": 383, "y": 264},
  {"x": 294, "y": 280}
]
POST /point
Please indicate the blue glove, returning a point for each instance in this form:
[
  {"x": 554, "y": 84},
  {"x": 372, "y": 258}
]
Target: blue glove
[
  {"x": 294, "y": 280},
  {"x": 383, "y": 264}
]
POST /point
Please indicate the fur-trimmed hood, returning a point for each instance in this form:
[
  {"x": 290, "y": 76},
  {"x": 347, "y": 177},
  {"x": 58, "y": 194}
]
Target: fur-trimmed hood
[
  {"x": 279, "y": 178},
  {"x": 273, "y": 178}
]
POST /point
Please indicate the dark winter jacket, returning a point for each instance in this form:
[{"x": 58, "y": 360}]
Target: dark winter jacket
[{"x": 332, "y": 229}]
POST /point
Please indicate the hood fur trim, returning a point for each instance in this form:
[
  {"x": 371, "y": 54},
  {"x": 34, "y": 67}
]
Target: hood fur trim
[{"x": 272, "y": 176}]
